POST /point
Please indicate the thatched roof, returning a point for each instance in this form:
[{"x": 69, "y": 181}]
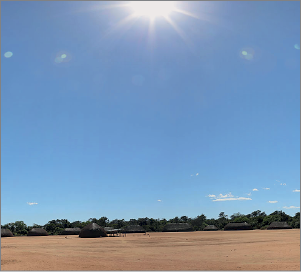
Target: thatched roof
[
  {"x": 134, "y": 229},
  {"x": 6, "y": 233},
  {"x": 110, "y": 230},
  {"x": 37, "y": 232},
  {"x": 92, "y": 230},
  {"x": 210, "y": 227},
  {"x": 177, "y": 227},
  {"x": 238, "y": 226},
  {"x": 71, "y": 231},
  {"x": 279, "y": 225}
]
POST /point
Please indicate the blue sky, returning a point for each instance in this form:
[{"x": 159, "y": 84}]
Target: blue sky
[{"x": 103, "y": 115}]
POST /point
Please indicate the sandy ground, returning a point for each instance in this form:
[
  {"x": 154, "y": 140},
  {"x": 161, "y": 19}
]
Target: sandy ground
[{"x": 219, "y": 250}]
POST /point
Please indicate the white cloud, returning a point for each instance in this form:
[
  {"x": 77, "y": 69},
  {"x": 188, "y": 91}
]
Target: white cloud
[
  {"x": 212, "y": 195},
  {"x": 232, "y": 198},
  {"x": 159, "y": 200},
  {"x": 291, "y": 207},
  {"x": 32, "y": 203},
  {"x": 249, "y": 194},
  {"x": 191, "y": 175},
  {"x": 255, "y": 189},
  {"x": 226, "y": 195},
  {"x": 296, "y": 191},
  {"x": 282, "y": 183},
  {"x": 266, "y": 188},
  {"x": 197, "y": 174},
  {"x": 273, "y": 201}
]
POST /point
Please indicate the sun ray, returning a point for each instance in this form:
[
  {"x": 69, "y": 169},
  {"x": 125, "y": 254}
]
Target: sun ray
[
  {"x": 187, "y": 13},
  {"x": 181, "y": 34}
]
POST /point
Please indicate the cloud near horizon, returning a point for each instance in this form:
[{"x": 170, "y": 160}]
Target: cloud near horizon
[
  {"x": 273, "y": 201},
  {"x": 291, "y": 207},
  {"x": 255, "y": 189},
  {"x": 296, "y": 191},
  {"x": 227, "y": 197},
  {"x": 32, "y": 203},
  {"x": 159, "y": 200},
  {"x": 266, "y": 188},
  {"x": 232, "y": 198}
]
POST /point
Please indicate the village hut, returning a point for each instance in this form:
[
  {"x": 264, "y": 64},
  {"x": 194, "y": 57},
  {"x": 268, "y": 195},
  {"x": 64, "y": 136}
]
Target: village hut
[
  {"x": 279, "y": 225},
  {"x": 92, "y": 230},
  {"x": 210, "y": 228},
  {"x": 112, "y": 231},
  {"x": 71, "y": 231},
  {"x": 133, "y": 229},
  {"x": 37, "y": 232},
  {"x": 238, "y": 226},
  {"x": 6, "y": 233},
  {"x": 175, "y": 227}
]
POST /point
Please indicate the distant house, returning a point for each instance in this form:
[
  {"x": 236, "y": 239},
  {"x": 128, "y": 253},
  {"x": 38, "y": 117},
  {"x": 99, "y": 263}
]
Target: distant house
[
  {"x": 37, "y": 232},
  {"x": 279, "y": 225},
  {"x": 210, "y": 228},
  {"x": 176, "y": 227},
  {"x": 238, "y": 226},
  {"x": 92, "y": 230}
]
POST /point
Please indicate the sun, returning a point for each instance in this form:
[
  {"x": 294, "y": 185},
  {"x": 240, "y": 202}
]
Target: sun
[{"x": 152, "y": 9}]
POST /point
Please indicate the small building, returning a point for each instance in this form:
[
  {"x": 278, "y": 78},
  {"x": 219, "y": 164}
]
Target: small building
[
  {"x": 6, "y": 233},
  {"x": 176, "y": 227},
  {"x": 279, "y": 225},
  {"x": 210, "y": 228},
  {"x": 37, "y": 232},
  {"x": 92, "y": 230},
  {"x": 238, "y": 226},
  {"x": 71, "y": 231},
  {"x": 133, "y": 229}
]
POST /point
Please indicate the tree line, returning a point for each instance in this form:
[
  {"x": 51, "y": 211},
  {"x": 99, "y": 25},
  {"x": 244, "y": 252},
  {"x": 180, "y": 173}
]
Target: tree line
[{"x": 257, "y": 219}]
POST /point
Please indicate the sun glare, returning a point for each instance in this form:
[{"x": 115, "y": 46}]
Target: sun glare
[{"x": 152, "y": 9}]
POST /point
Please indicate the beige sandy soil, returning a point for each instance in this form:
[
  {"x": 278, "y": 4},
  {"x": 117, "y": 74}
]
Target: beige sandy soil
[{"x": 219, "y": 250}]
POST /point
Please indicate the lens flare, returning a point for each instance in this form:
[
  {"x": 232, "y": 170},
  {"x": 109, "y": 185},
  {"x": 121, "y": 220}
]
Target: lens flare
[
  {"x": 247, "y": 53},
  {"x": 62, "y": 56},
  {"x": 8, "y": 54}
]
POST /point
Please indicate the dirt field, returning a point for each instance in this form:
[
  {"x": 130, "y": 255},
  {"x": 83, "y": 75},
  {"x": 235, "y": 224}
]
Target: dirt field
[{"x": 219, "y": 250}]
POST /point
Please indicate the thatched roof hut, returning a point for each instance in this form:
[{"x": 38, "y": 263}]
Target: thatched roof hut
[
  {"x": 110, "y": 230},
  {"x": 279, "y": 225},
  {"x": 92, "y": 230},
  {"x": 133, "y": 229},
  {"x": 171, "y": 227},
  {"x": 37, "y": 232},
  {"x": 210, "y": 228},
  {"x": 238, "y": 226},
  {"x": 71, "y": 231},
  {"x": 6, "y": 233}
]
